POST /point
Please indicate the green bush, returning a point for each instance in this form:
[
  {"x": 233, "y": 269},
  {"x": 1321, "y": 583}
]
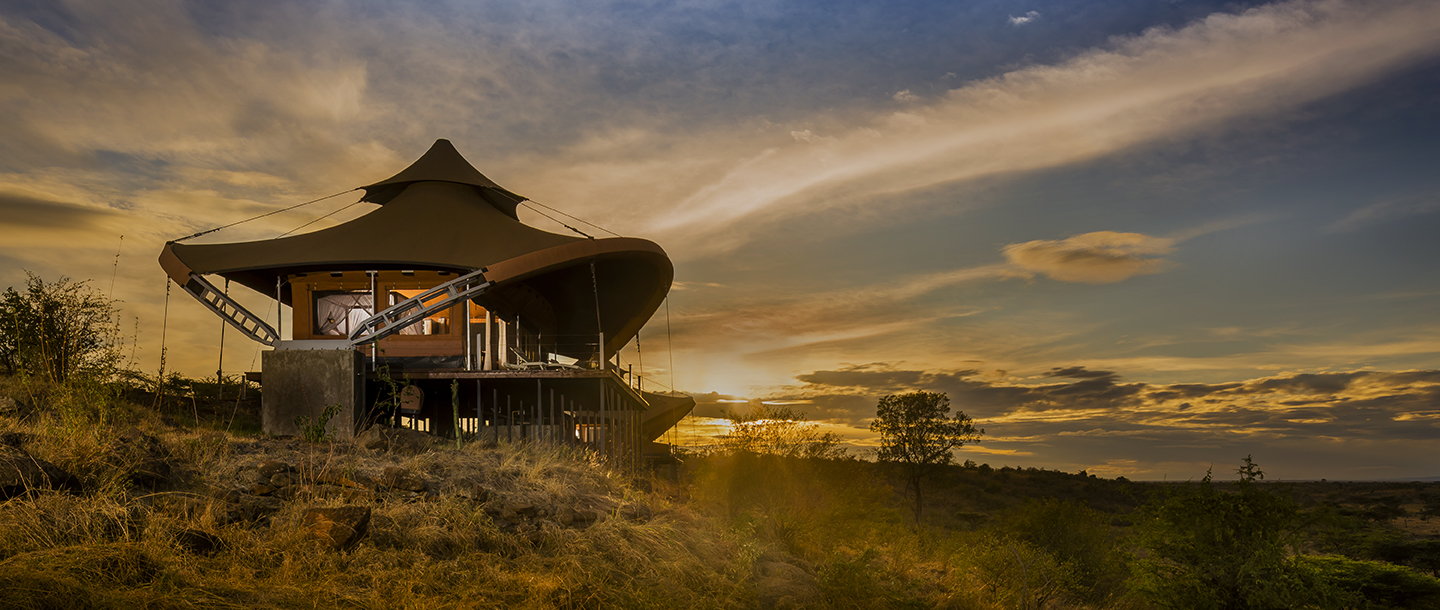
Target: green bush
[
  {"x": 1078, "y": 537},
  {"x": 1212, "y": 548},
  {"x": 57, "y": 331},
  {"x": 1373, "y": 584}
]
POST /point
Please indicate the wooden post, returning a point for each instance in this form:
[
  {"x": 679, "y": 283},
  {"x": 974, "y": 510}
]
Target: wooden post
[
  {"x": 489, "y": 359},
  {"x": 455, "y": 408}
]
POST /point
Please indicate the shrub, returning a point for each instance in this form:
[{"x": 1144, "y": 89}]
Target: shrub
[{"x": 59, "y": 330}]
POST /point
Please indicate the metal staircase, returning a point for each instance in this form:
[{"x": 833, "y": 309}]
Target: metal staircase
[
  {"x": 419, "y": 307},
  {"x": 230, "y": 311}
]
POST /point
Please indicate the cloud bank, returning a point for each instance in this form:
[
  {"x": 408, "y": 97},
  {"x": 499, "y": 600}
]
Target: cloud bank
[{"x": 1081, "y": 411}]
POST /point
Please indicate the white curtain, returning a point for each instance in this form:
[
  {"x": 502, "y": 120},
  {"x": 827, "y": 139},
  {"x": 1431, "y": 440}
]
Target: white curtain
[{"x": 337, "y": 314}]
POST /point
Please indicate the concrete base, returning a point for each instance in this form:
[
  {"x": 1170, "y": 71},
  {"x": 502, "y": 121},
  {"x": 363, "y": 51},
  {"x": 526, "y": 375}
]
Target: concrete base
[{"x": 301, "y": 383}]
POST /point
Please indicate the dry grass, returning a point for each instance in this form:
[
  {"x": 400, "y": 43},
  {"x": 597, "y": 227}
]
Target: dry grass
[
  {"x": 701, "y": 544},
  {"x": 117, "y": 546}
]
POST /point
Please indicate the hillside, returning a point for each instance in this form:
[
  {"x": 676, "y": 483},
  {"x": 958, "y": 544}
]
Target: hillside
[{"x": 131, "y": 502}]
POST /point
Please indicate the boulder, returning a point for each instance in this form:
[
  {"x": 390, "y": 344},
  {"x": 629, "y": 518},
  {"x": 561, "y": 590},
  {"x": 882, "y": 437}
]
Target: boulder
[
  {"x": 403, "y": 441},
  {"x": 396, "y": 477},
  {"x": 339, "y": 528},
  {"x": 20, "y": 473}
]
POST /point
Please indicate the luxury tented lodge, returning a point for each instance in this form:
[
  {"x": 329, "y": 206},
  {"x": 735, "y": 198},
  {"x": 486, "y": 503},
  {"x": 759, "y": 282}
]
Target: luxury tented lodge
[{"x": 441, "y": 310}]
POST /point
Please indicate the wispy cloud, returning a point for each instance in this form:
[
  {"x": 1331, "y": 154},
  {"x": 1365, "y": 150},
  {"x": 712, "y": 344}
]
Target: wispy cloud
[
  {"x": 1387, "y": 210},
  {"x": 1160, "y": 85},
  {"x": 1024, "y": 19}
]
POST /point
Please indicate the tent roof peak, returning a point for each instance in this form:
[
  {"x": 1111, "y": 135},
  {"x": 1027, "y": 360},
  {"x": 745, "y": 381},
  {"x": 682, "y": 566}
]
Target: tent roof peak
[{"x": 442, "y": 163}]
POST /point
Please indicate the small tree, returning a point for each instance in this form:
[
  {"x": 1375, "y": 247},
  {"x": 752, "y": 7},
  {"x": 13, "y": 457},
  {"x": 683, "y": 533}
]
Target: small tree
[
  {"x": 916, "y": 431},
  {"x": 778, "y": 431},
  {"x": 58, "y": 330}
]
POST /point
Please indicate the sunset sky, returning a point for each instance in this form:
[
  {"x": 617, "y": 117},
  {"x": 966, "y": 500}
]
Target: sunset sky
[{"x": 1138, "y": 237}]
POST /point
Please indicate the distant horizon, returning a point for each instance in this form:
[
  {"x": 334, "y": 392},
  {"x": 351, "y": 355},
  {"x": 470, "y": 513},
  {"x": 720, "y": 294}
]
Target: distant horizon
[{"x": 1125, "y": 237}]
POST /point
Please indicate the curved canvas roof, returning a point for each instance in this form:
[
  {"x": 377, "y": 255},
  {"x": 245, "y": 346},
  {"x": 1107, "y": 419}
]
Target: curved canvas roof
[{"x": 443, "y": 214}]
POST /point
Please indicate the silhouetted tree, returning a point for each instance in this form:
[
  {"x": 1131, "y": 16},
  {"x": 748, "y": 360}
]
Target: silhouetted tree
[{"x": 916, "y": 430}]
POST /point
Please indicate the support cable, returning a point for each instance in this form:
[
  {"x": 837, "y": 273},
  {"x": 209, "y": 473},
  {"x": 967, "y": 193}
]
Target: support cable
[
  {"x": 316, "y": 220},
  {"x": 573, "y": 217},
  {"x": 556, "y": 221},
  {"x": 220, "y": 366},
  {"x": 262, "y": 216},
  {"x": 115, "y": 268},
  {"x": 164, "y": 325},
  {"x": 669, "y": 343}
]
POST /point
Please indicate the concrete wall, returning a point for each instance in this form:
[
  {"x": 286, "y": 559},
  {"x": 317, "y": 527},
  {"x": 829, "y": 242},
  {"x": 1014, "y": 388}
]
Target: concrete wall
[{"x": 303, "y": 382}]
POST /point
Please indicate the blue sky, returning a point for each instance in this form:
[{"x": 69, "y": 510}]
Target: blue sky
[{"x": 1136, "y": 237}]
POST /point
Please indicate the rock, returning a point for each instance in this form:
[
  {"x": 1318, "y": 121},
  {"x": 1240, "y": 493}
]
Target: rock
[
  {"x": 395, "y": 440},
  {"x": 198, "y": 542},
  {"x": 16, "y": 439},
  {"x": 399, "y": 478},
  {"x": 356, "y": 480},
  {"x": 261, "y": 489},
  {"x": 339, "y": 528},
  {"x": 349, "y": 494},
  {"x": 524, "y": 509},
  {"x": 469, "y": 489},
  {"x": 20, "y": 473},
  {"x": 13, "y": 408},
  {"x": 247, "y": 509},
  {"x": 270, "y": 468},
  {"x": 281, "y": 480},
  {"x": 146, "y": 457},
  {"x": 588, "y": 515}
]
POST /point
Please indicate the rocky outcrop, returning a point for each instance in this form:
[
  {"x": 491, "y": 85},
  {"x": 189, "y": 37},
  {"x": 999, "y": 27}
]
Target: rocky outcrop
[
  {"x": 339, "y": 528},
  {"x": 21, "y": 473}
]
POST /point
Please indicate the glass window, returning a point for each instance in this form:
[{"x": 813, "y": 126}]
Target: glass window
[{"x": 339, "y": 311}]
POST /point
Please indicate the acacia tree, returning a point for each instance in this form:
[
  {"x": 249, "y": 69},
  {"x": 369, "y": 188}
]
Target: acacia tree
[{"x": 916, "y": 431}]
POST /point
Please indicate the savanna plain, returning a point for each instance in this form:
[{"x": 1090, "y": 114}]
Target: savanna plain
[{"x": 123, "y": 489}]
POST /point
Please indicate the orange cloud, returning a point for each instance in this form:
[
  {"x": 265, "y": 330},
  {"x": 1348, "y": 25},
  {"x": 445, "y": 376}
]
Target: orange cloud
[{"x": 1101, "y": 257}]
